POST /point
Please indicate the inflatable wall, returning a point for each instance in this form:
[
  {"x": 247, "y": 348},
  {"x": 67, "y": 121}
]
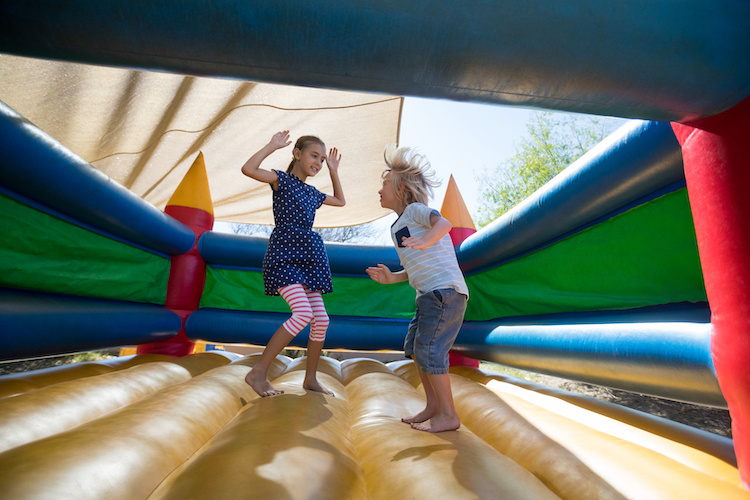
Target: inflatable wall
[{"x": 629, "y": 270}]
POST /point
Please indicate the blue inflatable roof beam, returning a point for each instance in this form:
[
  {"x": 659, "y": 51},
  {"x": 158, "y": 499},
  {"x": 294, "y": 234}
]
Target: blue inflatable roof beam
[
  {"x": 36, "y": 324},
  {"x": 667, "y": 359},
  {"x": 246, "y": 252},
  {"x": 666, "y": 60},
  {"x": 344, "y": 332},
  {"x": 53, "y": 178},
  {"x": 638, "y": 159}
]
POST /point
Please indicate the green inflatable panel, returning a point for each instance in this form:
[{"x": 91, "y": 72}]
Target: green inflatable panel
[
  {"x": 41, "y": 252},
  {"x": 645, "y": 256}
]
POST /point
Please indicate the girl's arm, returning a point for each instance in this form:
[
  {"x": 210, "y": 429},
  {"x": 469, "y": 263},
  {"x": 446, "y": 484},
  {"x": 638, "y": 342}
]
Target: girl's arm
[
  {"x": 385, "y": 276},
  {"x": 337, "y": 200},
  {"x": 440, "y": 227},
  {"x": 252, "y": 169}
]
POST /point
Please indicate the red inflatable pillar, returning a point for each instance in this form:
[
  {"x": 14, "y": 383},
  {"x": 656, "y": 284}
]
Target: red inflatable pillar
[
  {"x": 191, "y": 204},
  {"x": 454, "y": 209},
  {"x": 716, "y": 155}
]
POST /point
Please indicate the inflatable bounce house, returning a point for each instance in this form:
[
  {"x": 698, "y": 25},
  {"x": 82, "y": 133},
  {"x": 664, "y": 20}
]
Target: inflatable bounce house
[{"x": 631, "y": 269}]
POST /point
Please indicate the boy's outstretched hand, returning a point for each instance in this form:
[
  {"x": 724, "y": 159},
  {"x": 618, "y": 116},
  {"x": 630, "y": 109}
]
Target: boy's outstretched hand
[
  {"x": 385, "y": 276},
  {"x": 381, "y": 274}
]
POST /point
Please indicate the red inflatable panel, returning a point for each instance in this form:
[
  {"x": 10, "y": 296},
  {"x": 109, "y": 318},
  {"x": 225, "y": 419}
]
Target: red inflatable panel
[
  {"x": 187, "y": 277},
  {"x": 716, "y": 152}
]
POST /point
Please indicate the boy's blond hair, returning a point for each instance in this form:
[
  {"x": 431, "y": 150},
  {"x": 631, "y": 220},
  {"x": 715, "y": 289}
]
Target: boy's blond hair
[{"x": 411, "y": 170}]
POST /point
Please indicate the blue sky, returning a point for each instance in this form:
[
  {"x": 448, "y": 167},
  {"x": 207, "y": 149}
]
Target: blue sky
[{"x": 462, "y": 139}]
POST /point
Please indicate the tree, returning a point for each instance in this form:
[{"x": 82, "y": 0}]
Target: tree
[
  {"x": 554, "y": 141},
  {"x": 363, "y": 233},
  {"x": 251, "y": 229}
]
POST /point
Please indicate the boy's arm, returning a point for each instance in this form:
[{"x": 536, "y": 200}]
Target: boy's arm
[
  {"x": 385, "y": 276},
  {"x": 440, "y": 227}
]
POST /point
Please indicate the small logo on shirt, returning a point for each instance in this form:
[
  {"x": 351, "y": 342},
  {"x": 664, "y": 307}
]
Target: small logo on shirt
[{"x": 401, "y": 234}]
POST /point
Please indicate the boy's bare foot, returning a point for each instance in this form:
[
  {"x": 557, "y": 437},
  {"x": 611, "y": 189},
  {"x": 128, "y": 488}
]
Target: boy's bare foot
[
  {"x": 261, "y": 385},
  {"x": 438, "y": 423},
  {"x": 422, "y": 416},
  {"x": 314, "y": 385}
]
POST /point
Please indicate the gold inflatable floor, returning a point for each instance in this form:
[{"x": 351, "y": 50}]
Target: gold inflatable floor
[{"x": 154, "y": 427}]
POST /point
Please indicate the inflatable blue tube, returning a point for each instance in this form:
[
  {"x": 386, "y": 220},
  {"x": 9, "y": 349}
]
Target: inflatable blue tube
[
  {"x": 246, "y": 252},
  {"x": 661, "y": 350},
  {"x": 36, "y": 324},
  {"x": 232, "y": 250},
  {"x": 666, "y": 60},
  {"x": 40, "y": 169},
  {"x": 344, "y": 332},
  {"x": 662, "y": 358},
  {"x": 637, "y": 160},
  {"x": 680, "y": 312}
]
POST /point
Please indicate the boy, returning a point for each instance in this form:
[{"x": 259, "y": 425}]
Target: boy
[{"x": 426, "y": 252}]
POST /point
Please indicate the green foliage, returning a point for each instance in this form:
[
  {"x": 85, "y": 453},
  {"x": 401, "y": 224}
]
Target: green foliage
[
  {"x": 506, "y": 370},
  {"x": 90, "y": 356},
  {"x": 293, "y": 353},
  {"x": 26, "y": 365},
  {"x": 553, "y": 142}
]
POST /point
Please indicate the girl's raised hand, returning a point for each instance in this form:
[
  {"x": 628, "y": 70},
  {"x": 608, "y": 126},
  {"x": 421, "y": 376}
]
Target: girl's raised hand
[
  {"x": 280, "y": 139},
  {"x": 333, "y": 159}
]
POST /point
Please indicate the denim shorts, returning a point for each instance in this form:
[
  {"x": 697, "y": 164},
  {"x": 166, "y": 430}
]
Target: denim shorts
[{"x": 432, "y": 331}]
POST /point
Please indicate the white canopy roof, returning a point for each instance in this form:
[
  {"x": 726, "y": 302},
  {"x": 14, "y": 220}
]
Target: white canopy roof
[{"x": 144, "y": 129}]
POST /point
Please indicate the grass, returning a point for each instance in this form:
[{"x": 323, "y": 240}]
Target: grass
[
  {"x": 510, "y": 372},
  {"x": 48, "y": 362}
]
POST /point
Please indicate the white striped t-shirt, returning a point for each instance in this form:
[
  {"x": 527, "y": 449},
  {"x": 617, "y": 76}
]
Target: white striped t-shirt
[{"x": 436, "y": 266}]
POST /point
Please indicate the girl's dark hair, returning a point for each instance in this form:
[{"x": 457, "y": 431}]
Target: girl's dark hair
[{"x": 301, "y": 144}]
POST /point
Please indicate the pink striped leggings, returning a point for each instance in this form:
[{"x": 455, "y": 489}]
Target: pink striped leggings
[{"x": 307, "y": 307}]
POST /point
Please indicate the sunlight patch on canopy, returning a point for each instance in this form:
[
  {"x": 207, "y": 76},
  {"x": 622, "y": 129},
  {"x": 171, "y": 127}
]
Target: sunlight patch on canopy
[{"x": 144, "y": 129}]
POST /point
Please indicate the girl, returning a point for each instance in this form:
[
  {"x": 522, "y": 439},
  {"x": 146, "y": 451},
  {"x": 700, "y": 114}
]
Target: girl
[
  {"x": 425, "y": 249},
  {"x": 296, "y": 264}
]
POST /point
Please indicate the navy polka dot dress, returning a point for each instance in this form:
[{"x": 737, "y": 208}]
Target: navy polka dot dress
[{"x": 295, "y": 253}]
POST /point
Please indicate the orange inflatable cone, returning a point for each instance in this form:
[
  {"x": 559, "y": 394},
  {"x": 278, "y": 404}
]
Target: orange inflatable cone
[
  {"x": 454, "y": 209},
  {"x": 190, "y": 204}
]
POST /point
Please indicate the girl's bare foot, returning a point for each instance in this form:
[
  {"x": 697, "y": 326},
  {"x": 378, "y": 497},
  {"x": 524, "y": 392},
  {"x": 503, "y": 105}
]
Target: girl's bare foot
[
  {"x": 422, "y": 416},
  {"x": 438, "y": 423},
  {"x": 261, "y": 385},
  {"x": 314, "y": 385}
]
